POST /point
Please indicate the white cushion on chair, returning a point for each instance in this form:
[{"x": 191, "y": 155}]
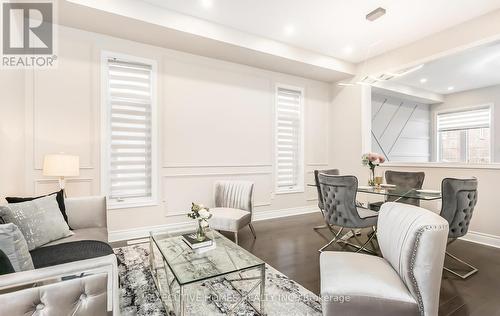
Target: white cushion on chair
[
  {"x": 370, "y": 283},
  {"x": 229, "y": 219}
]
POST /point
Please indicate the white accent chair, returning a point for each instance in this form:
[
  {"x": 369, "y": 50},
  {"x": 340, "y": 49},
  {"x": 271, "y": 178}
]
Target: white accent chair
[
  {"x": 233, "y": 207},
  {"x": 405, "y": 281}
]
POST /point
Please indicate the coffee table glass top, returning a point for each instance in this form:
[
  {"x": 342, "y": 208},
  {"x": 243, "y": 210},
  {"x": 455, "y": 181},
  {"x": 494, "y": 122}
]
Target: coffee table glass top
[{"x": 189, "y": 266}]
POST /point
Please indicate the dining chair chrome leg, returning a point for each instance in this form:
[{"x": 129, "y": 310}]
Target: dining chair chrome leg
[
  {"x": 326, "y": 225},
  {"x": 363, "y": 247},
  {"x": 253, "y": 231},
  {"x": 236, "y": 237},
  {"x": 320, "y": 227},
  {"x": 335, "y": 239},
  {"x": 360, "y": 246},
  {"x": 472, "y": 271}
]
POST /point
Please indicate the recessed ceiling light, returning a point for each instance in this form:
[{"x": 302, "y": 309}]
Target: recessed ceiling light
[
  {"x": 423, "y": 80},
  {"x": 289, "y": 30},
  {"x": 207, "y": 3},
  {"x": 346, "y": 84},
  {"x": 451, "y": 88},
  {"x": 348, "y": 49}
]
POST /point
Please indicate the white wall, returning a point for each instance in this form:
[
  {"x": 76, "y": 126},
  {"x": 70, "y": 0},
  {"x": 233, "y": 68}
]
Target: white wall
[
  {"x": 11, "y": 132},
  {"x": 215, "y": 120},
  {"x": 350, "y": 127}
]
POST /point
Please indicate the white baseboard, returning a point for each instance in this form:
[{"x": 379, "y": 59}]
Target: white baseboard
[
  {"x": 142, "y": 232},
  {"x": 483, "y": 239},
  {"x": 264, "y": 215}
]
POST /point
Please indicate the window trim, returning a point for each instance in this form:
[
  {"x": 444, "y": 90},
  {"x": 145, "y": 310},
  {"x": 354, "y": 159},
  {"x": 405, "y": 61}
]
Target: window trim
[
  {"x": 300, "y": 188},
  {"x": 105, "y": 129},
  {"x": 490, "y": 106}
]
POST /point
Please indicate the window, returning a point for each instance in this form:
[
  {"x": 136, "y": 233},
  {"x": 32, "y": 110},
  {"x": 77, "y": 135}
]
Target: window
[
  {"x": 129, "y": 131},
  {"x": 465, "y": 136},
  {"x": 289, "y": 139}
]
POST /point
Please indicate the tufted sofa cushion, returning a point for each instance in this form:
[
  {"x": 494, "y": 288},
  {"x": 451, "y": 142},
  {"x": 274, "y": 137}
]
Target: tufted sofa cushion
[{"x": 77, "y": 297}]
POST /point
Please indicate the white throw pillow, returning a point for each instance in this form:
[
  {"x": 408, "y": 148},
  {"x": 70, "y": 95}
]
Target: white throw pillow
[
  {"x": 39, "y": 220},
  {"x": 13, "y": 244}
]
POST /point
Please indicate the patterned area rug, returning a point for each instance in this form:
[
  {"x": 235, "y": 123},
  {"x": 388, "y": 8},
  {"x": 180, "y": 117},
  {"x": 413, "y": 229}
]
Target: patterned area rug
[{"x": 139, "y": 295}]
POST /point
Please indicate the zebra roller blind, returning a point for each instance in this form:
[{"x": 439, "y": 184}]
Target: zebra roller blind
[
  {"x": 129, "y": 98},
  {"x": 468, "y": 119},
  {"x": 288, "y": 139}
]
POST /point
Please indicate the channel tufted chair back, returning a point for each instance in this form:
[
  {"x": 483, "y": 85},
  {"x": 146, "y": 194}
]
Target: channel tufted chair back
[
  {"x": 459, "y": 200},
  {"x": 333, "y": 172},
  {"x": 413, "y": 241},
  {"x": 339, "y": 199},
  {"x": 234, "y": 194}
]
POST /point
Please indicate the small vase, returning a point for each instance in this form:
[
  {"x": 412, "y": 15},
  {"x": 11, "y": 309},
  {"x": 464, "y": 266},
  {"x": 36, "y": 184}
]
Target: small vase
[
  {"x": 200, "y": 232},
  {"x": 371, "y": 177}
]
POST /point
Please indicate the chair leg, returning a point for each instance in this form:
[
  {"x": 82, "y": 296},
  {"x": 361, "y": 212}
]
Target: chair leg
[
  {"x": 359, "y": 246},
  {"x": 236, "y": 237},
  {"x": 322, "y": 226},
  {"x": 462, "y": 276},
  {"x": 335, "y": 239},
  {"x": 363, "y": 248},
  {"x": 253, "y": 231}
]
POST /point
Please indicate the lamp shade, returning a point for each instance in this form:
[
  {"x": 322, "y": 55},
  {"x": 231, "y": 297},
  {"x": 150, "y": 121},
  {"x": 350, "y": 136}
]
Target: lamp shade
[{"x": 61, "y": 165}]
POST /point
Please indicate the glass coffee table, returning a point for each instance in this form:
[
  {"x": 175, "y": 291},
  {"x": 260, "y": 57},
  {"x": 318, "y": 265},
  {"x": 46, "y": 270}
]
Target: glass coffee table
[{"x": 177, "y": 268}]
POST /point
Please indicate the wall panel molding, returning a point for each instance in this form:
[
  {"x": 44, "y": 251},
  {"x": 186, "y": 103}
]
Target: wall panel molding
[
  {"x": 37, "y": 162},
  {"x": 174, "y": 166},
  {"x": 312, "y": 164},
  {"x": 37, "y": 183},
  {"x": 208, "y": 174},
  {"x": 262, "y": 197}
]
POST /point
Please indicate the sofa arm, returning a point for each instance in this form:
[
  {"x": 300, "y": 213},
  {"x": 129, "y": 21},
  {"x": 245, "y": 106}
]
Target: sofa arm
[
  {"x": 86, "y": 212},
  {"x": 86, "y": 287}
]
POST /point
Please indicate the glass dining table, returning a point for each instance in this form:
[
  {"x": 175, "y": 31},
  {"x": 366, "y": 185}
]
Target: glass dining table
[
  {"x": 395, "y": 192},
  {"x": 398, "y": 192},
  {"x": 401, "y": 193}
]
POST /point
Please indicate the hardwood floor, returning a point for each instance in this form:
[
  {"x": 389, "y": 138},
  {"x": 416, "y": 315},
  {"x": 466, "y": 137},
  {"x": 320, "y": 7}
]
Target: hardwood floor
[{"x": 291, "y": 246}]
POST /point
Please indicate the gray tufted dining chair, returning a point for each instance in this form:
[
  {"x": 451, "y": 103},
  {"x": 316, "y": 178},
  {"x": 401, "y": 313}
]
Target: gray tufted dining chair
[
  {"x": 404, "y": 180},
  {"x": 405, "y": 281},
  {"x": 233, "y": 207},
  {"x": 334, "y": 172},
  {"x": 459, "y": 198},
  {"x": 340, "y": 209}
]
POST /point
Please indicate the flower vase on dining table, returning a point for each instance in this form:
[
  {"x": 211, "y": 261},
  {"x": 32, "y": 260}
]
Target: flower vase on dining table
[{"x": 372, "y": 160}]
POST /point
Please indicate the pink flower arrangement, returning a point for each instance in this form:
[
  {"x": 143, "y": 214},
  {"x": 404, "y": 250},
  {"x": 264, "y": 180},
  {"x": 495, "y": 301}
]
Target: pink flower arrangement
[{"x": 372, "y": 160}]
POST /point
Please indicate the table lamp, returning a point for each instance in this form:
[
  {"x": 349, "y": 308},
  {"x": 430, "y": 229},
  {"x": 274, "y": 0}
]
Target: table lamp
[{"x": 62, "y": 166}]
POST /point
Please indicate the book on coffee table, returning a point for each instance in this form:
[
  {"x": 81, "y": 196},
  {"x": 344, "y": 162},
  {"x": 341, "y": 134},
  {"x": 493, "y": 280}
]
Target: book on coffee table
[{"x": 191, "y": 241}]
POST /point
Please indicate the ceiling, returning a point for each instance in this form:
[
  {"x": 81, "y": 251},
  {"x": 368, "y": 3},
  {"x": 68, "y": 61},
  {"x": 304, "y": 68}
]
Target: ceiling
[
  {"x": 335, "y": 28},
  {"x": 471, "y": 69}
]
